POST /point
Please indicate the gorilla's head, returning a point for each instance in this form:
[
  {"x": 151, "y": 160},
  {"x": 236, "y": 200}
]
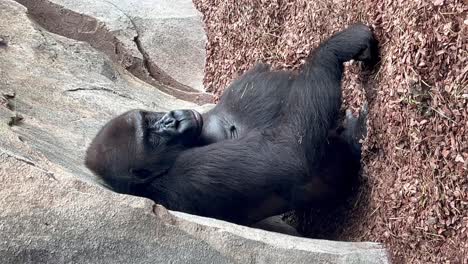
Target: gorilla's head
[{"x": 139, "y": 146}]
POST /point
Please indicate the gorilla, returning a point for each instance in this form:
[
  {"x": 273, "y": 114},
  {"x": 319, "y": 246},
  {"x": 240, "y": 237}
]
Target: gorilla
[{"x": 272, "y": 144}]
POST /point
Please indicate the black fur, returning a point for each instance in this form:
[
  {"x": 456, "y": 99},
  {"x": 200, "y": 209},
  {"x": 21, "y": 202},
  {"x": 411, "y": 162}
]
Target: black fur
[{"x": 264, "y": 149}]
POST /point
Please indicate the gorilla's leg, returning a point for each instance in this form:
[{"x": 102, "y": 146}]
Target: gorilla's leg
[
  {"x": 338, "y": 169},
  {"x": 342, "y": 156}
]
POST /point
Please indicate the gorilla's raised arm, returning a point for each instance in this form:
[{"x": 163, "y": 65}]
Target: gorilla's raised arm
[{"x": 315, "y": 99}]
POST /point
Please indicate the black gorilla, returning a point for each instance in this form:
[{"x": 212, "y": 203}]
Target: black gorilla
[{"x": 269, "y": 146}]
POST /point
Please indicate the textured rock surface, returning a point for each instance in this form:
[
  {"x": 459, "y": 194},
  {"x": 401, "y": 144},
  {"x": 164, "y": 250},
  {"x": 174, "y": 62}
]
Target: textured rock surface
[
  {"x": 55, "y": 93},
  {"x": 52, "y": 219},
  {"x": 158, "y": 41}
]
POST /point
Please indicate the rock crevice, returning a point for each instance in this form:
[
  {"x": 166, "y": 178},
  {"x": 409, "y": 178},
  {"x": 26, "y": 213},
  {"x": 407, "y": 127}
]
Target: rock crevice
[{"x": 122, "y": 44}]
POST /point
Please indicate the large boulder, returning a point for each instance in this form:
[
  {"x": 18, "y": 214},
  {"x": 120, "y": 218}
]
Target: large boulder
[{"x": 55, "y": 93}]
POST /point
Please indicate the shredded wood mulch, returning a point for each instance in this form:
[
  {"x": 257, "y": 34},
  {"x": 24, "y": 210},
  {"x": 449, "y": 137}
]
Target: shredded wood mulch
[{"x": 414, "y": 194}]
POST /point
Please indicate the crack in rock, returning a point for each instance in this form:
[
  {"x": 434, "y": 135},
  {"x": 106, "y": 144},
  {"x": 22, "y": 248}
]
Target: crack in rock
[
  {"x": 108, "y": 90},
  {"x": 168, "y": 84},
  {"x": 29, "y": 162},
  {"x": 152, "y": 69},
  {"x": 100, "y": 89},
  {"x": 68, "y": 23}
]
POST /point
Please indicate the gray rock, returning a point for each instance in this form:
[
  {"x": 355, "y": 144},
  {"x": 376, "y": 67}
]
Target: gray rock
[
  {"x": 60, "y": 220},
  {"x": 55, "y": 93},
  {"x": 158, "y": 41}
]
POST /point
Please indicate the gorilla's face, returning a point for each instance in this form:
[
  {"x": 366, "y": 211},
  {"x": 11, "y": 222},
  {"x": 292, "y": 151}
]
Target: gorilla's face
[{"x": 139, "y": 146}]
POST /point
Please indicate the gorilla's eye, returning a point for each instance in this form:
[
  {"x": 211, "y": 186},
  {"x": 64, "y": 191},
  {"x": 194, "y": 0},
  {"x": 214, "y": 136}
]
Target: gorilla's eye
[{"x": 141, "y": 173}]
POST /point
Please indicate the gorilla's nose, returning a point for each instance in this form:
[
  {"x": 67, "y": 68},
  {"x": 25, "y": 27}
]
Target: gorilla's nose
[{"x": 169, "y": 120}]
